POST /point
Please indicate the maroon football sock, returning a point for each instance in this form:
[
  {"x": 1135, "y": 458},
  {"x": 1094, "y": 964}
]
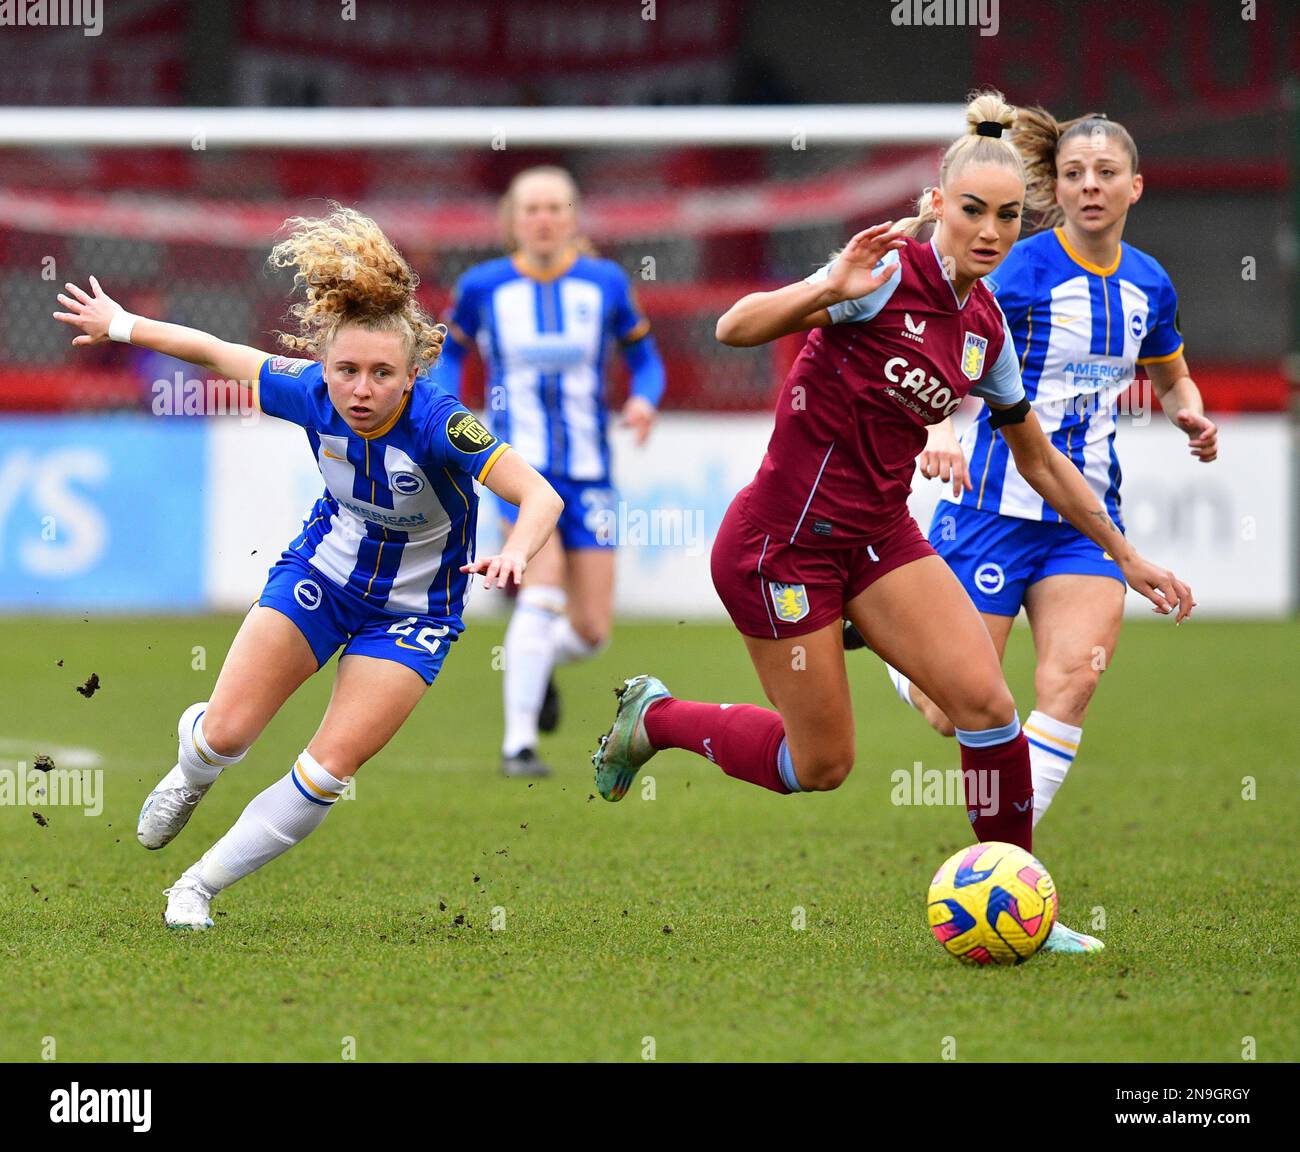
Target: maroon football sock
[
  {"x": 741, "y": 739},
  {"x": 1000, "y": 791}
]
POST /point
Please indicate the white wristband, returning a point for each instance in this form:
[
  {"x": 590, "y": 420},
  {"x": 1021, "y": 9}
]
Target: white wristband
[{"x": 119, "y": 328}]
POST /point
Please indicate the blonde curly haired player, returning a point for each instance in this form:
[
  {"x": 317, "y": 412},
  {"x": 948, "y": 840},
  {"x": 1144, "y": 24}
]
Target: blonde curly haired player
[
  {"x": 385, "y": 558},
  {"x": 900, "y": 331},
  {"x": 1085, "y": 312}
]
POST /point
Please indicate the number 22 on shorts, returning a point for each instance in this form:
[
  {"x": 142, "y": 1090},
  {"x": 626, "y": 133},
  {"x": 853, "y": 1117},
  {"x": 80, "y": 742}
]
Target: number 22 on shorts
[{"x": 427, "y": 638}]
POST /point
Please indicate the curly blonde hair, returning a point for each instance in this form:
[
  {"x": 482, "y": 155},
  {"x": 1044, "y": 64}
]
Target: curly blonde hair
[
  {"x": 971, "y": 148},
  {"x": 1039, "y": 136},
  {"x": 353, "y": 276}
]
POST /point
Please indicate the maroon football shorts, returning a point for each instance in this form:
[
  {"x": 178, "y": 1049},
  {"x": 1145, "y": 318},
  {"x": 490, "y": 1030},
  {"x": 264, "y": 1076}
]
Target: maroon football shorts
[{"x": 774, "y": 590}]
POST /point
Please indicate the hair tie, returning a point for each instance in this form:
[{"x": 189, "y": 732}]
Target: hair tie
[{"x": 988, "y": 128}]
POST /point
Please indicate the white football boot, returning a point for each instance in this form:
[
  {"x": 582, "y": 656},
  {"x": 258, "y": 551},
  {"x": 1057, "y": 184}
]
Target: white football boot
[
  {"x": 187, "y": 905},
  {"x": 1063, "y": 939},
  {"x": 167, "y": 808}
]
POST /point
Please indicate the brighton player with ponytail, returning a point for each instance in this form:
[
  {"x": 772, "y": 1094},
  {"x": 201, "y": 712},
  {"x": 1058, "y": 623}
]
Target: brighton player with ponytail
[
  {"x": 384, "y": 560},
  {"x": 901, "y": 331},
  {"x": 1085, "y": 311}
]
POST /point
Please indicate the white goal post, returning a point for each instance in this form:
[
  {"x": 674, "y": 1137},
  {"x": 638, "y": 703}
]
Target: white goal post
[{"x": 716, "y": 126}]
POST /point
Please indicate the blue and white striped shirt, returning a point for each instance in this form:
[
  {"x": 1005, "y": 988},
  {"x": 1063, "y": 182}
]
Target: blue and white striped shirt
[
  {"x": 397, "y": 518},
  {"x": 1080, "y": 331},
  {"x": 545, "y": 339}
]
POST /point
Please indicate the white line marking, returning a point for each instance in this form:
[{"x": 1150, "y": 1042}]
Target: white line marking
[{"x": 63, "y": 755}]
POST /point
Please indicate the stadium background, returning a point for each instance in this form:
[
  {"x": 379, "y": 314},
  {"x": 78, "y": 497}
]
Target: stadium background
[{"x": 182, "y": 232}]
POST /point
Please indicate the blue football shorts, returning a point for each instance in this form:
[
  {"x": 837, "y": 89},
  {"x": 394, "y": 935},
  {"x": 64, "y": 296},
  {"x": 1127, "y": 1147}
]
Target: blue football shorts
[
  {"x": 998, "y": 557},
  {"x": 590, "y": 516},
  {"x": 331, "y": 617}
]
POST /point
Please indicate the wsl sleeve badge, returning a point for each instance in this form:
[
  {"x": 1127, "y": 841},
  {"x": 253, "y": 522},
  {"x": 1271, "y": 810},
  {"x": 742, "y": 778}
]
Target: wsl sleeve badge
[{"x": 289, "y": 365}]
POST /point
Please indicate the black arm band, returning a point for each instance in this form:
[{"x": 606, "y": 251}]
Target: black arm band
[{"x": 1014, "y": 415}]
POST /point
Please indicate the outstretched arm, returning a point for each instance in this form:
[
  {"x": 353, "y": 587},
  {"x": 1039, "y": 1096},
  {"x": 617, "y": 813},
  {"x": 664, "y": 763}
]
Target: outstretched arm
[
  {"x": 1062, "y": 485},
  {"x": 763, "y": 316},
  {"x": 94, "y": 315}
]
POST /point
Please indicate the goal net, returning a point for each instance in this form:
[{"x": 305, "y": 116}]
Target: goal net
[{"x": 176, "y": 211}]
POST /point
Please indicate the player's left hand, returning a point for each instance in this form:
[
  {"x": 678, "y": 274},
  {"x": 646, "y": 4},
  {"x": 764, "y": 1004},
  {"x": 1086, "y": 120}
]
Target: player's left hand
[
  {"x": 92, "y": 314},
  {"x": 639, "y": 415},
  {"x": 947, "y": 463},
  {"x": 1202, "y": 434},
  {"x": 499, "y": 568},
  {"x": 1160, "y": 586}
]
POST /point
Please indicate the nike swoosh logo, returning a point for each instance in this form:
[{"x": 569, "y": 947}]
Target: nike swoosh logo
[
  {"x": 333, "y": 457},
  {"x": 1057, "y": 318}
]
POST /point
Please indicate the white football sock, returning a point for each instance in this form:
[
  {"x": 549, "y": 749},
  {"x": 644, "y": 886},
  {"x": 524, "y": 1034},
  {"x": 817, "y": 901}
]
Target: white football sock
[
  {"x": 568, "y": 645},
  {"x": 902, "y": 685},
  {"x": 529, "y": 657},
  {"x": 1052, "y": 748},
  {"x": 274, "y": 821},
  {"x": 195, "y": 758}
]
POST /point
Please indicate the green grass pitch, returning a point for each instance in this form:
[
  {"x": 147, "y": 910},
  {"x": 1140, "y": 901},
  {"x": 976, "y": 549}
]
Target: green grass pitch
[{"x": 668, "y": 918}]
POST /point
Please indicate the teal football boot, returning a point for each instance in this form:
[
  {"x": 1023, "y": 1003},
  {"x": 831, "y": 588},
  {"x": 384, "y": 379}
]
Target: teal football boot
[
  {"x": 1063, "y": 939},
  {"x": 626, "y": 747}
]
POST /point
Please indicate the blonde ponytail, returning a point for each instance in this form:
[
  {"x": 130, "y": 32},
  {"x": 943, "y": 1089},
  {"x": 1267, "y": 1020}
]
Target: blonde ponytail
[
  {"x": 352, "y": 275},
  {"x": 913, "y": 225}
]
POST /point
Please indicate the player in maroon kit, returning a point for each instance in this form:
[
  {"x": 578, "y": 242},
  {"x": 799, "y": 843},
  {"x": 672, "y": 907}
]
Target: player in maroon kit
[{"x": 901, "y": 331}]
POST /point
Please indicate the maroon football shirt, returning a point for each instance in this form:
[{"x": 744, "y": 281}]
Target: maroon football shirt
[{"x": 853, "y": 411}]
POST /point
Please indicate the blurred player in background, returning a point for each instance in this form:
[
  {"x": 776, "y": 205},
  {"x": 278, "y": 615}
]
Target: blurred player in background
[
  {"x": 544, "y": 318},
  {"x": 384, "y": 560},
  {"x": 1085, "y": 311},
  {"x": 901, "y": 332}
]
